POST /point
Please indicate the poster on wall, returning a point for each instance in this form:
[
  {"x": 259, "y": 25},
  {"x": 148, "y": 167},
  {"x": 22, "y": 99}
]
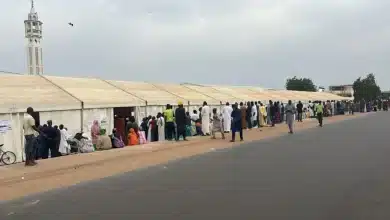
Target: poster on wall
[{"x": 5, "y": 126}]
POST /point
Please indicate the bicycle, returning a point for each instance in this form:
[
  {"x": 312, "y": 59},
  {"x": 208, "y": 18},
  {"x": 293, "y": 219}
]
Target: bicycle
[{"x": 7, "y": 157}]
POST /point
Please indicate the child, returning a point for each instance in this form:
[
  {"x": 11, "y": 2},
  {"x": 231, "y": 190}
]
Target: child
[{"x": 217, "y": 124}]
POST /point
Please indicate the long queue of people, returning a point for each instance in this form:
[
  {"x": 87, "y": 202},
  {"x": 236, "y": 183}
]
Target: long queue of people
[
  {"x": 176, "y": 124},
  {"x": 50, "y": 140},
  {"x": 55, "y": 141}
]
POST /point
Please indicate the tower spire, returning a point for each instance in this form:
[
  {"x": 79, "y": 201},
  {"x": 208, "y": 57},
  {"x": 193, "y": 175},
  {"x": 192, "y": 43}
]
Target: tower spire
[
  {"x": 33, "y": 33},
  {"x": 32, "y": 7}
]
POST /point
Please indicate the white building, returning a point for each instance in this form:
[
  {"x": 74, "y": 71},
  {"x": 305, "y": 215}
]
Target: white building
[
  {"x": 33, "y": 33},
  {"x": 342, "y": 90}
]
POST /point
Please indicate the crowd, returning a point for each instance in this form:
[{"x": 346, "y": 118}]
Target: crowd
[{"x": 47, "y": 141}]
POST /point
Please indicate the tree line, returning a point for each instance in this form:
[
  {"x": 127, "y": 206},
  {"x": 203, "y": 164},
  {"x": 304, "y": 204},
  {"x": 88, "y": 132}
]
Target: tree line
[{"x": 364, "y": 87}]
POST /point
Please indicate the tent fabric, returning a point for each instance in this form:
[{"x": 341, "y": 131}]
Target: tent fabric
[
  {"x": 212, "y": 92},
  {"x": 51, "y": 93},
  {"x": 18, "y": 92},
  {"x": 148, "y": 92},
  {"x": 187, "y": 94},
  {"x": 96, "y": 93},
  {"x": 240, "y": 94}
]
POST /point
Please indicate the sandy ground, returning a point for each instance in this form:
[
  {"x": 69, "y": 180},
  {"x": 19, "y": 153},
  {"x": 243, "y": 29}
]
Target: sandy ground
[{"x": 18, "y": 181}]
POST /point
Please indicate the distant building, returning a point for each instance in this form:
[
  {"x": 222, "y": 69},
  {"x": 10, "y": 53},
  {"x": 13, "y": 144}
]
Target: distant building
[
  {"x": 321, "y": 89},
  {"x": 385, "y": 95},
  {"x": 342, "y": 90}
]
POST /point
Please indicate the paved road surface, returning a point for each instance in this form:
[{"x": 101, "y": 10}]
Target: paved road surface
[{"x": 338, "y": 172}]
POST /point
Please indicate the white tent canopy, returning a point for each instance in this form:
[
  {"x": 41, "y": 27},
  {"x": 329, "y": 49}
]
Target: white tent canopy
[
  {"x": 96, "y": 93},
  {"x": 187, "y": 94},
  {"x": 17, "y": 92}
]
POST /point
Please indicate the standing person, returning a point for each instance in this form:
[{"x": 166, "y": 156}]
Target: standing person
[
  {"x": 189, "y": 130},
  {"x": 263, "y": 112},
  {"x": 351, "y": 108},
  {"x": 282, "y": 112},
  {"x": 290, "y": 112},
  {"x": 30, "y": 130},
  {"x": 258, "y": 113},
  {"x": 206, "y": 119},
  {"x": 131, "y": 124},
  {"x": 269, "y": 112},
  {"x": 51, "y": 141},
  {"x": 320, "y": 113},
  {"x": 153, "y": 130},
  {"x": 273, "y": 112},
  {"x": 254, "y": 115},
  {"x": 161, "y": 127},
  {"x": 169, "y": 117},
  {"x": 249, "y": 115},
  {"x": 227, "y": 119},
  {"x": 277, "y": 107},
  {"x": 57, "y": 140},
  {"x": 95, "y": 132},
  {"x": 311, "y": 109},
  {"x": 300, "y": 111},
  {"x": 329, "y": 107},
  {"x": 144, "y": 126},
  {"x": 236, "y": 124},
  {"x": 243, "y": 115},
  {"x": 218, "y": 124},
  {"x": 64, "y": 148},
  {"x": 197, "y": 122},
  {"x": 180, "y": 117}
]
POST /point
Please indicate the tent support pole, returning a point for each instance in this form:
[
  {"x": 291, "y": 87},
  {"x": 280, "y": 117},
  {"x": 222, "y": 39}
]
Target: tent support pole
[
  {"x": 82, "y": 117},
  {"x": 146, "y": 108}
]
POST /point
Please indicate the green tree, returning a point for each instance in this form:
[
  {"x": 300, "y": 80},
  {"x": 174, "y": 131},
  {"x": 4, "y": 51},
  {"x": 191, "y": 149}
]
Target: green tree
[
  {"x": 366, "y": 88},
  {"x": 300, "y": 84}
]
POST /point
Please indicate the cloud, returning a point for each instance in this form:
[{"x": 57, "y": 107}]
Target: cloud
[{"x": 222, "y": 41}]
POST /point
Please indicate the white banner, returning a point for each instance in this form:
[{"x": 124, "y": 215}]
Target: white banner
[{"x": 5, "y": 126}]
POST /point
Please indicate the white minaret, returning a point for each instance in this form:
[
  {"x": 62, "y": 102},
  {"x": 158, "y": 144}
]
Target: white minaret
[{"x": 33, "y": 28}]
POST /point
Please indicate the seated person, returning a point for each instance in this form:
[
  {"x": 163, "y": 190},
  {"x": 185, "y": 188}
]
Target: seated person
[{"x": 104, "y": 141}]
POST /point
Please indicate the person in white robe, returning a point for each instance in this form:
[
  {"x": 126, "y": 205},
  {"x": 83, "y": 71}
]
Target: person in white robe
[
  {"x": 161, "y": 127},
  {"x": 254, "y": 115},
  {"x": 227, "y": 117},
  {"x": 205, "y": 119},
  {"x": 149, "y": 130},
  {"x": 64, "y": 148}
]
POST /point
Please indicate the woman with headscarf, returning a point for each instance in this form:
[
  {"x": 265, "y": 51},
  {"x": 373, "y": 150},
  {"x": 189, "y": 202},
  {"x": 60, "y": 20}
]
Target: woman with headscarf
[
  {"x": 153, "y": 130},
  {"x": 132, "y": 138},
  {"x": 116, "y": 138},
  {"x": 95, "y": 132}
]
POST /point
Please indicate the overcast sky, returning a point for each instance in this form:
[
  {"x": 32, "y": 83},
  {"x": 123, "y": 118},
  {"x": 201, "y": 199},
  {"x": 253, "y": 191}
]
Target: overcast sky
[{"x": 241, "y": 42}]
